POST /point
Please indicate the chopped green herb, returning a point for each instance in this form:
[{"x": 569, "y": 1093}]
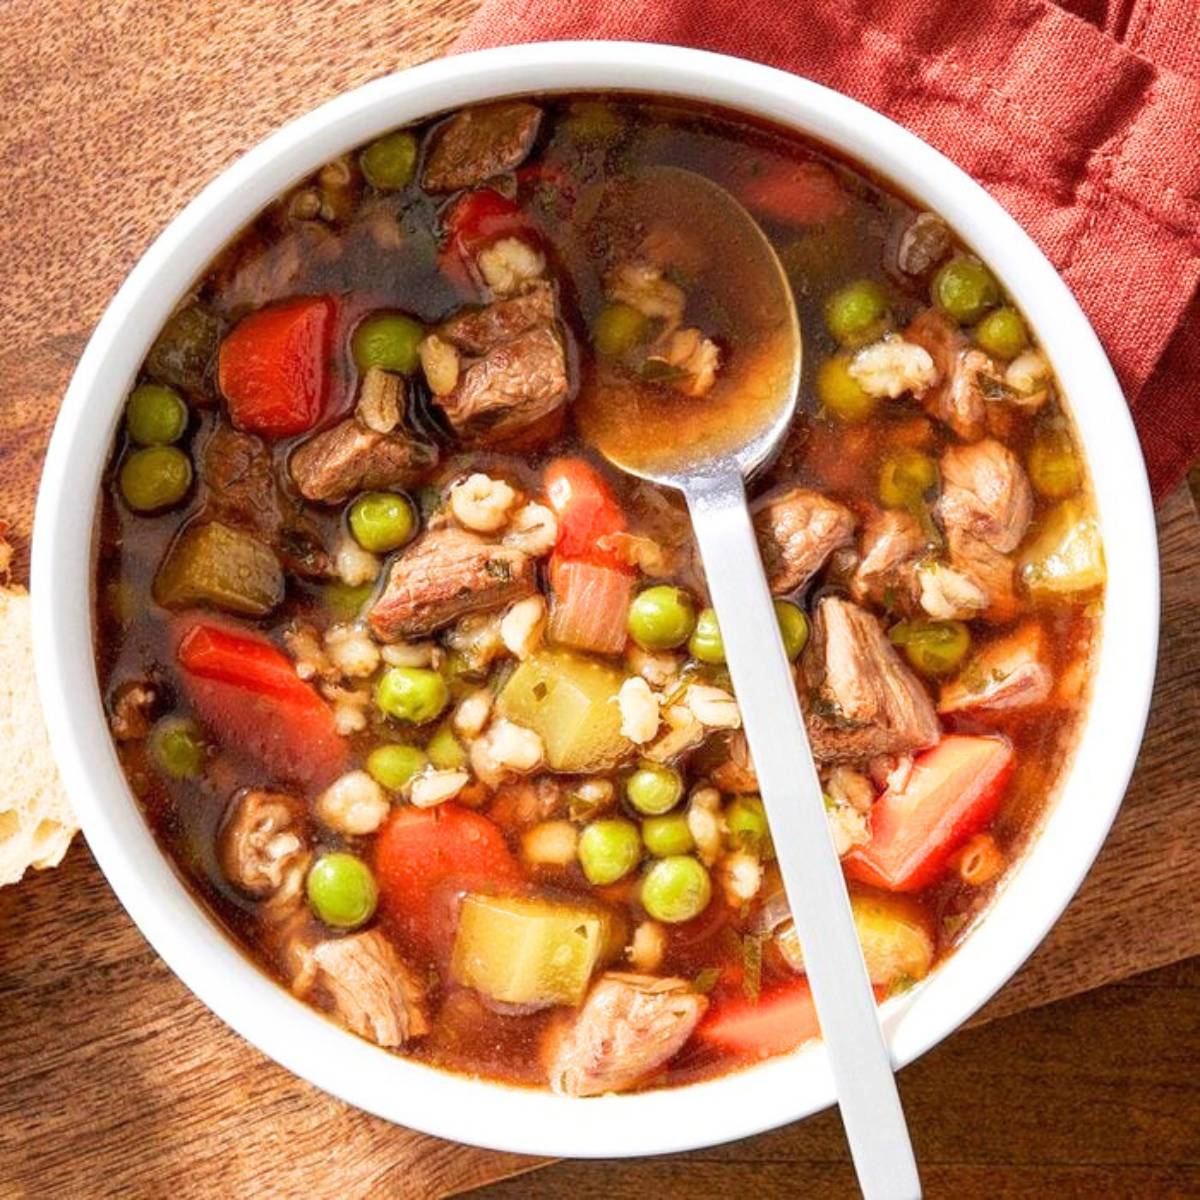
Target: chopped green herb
[{"x": 706, "y": 979}]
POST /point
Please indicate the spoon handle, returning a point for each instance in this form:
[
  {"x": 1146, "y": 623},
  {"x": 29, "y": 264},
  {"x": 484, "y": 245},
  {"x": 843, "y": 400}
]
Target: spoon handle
[{"x": 812, "y": 877}]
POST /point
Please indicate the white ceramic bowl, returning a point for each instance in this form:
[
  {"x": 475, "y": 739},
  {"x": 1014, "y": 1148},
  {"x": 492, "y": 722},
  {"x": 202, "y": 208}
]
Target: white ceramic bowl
[{"x": 489, "y": 1114}]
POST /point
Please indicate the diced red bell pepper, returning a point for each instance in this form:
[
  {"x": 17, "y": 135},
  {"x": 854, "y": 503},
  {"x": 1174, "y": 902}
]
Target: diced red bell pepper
[
  {"x": 247, "y": 691},
  {"x": 953, "y": 792},
  {"x": 804, "y": 193},
  {"x": 274, "y": 366},
  {"x": 589, "y": 606},
  {"x": 425, "y": 859},
  {"x": 474, "y": 221},
  {"x": 780, "y": 1020},
  {"x": 586, "y": 510}
]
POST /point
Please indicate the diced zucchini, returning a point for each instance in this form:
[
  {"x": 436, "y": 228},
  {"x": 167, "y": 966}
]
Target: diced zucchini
[
  {"x": 1066, "y": 555},
  {"x": 570, "y": 701},
  {"x": 227, "y": 568},
  {"x": 521, "y": 950}
]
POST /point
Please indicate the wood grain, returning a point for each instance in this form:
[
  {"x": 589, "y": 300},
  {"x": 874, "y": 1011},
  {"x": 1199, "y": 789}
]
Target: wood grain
[{"x": 117, "y": 1081}]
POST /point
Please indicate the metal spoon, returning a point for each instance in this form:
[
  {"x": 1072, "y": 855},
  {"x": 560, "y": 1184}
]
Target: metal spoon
[{"x": 706, "y": 448}]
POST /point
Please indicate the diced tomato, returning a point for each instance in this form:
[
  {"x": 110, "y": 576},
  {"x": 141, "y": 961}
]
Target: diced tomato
[
  {"x": 589, "y": 605},
  {"x": 274, "y": 367},
  {"x": 954, "y": 791},
  {"x": 780, "y": 1020},
  {"x": 586, "y": 511},
  {"x": 425, "y": 858},
  {"x": 805, "y": 193},
  {"x": 247, "y": 691},
  {"x": 474, "y": 221}
]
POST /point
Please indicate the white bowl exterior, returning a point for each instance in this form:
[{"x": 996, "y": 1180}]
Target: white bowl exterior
[{"x": 485, "y": 1113}]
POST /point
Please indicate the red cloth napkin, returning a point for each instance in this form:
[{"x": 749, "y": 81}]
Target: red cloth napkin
[{"x": 1083, "y": 122}]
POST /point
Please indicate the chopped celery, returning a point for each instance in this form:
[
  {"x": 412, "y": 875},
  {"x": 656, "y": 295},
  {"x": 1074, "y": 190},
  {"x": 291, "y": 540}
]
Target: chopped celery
[
  {"x": 570, "y": 701},
  {"x": 227, "y": 568},
  {"x": 1065, "y": 555},
  {"x": 521, "y": 950}
]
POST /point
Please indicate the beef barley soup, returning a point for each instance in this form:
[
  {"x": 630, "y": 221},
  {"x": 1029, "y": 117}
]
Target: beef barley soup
[{"x": 425, "y": 702}]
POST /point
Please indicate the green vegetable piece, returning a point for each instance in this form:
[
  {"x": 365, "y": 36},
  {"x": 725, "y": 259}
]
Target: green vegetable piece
[
  {"x": 382, "y": 521},
  {"x": 155, "y": 478},
  {"x": 746, "y": 821},
  {"x": 1002, "y": 333},
  {"x": 344, "y": 601},
  {"x": 857, "y": 313},
  {"x": 1054, "y": 467},
  {"x": 593, "y": 121},
  {"x": 392, "y": 765},
  {"x": 618, "y": 329},
  {"x": 341, "y": 890},
  {"x": 609, "y": 849},
  {"x": 389, "y": 161},
  {"x": 570, "y": 701},
  {"x": 676, "y": 889},
  {"x": 905, "y": 478},
  {"x": 933, "y": 647},
  {"x": 413, "y": 694},
  {"x": 1065, "y": 555},
  {"x": 793, "y": 627},
  {"x": 661, "y": 618},
  {"x": 667, "y": 835},
  {"x": 654, "y": 789},
  {"x": 176, "y": 745},
  {"x": 705, "y": 643},
  {"x": 222, "y": 566},
  {"x": 840, "y": 393},
  {"x": 388, "y": 341},
  {"x": 521, "y": 950},
  {"x": 965, "y": 289},
  {"x": 184, "y": 351},
  {"x": 155, "y": 415},
  {"x": 445, "y": 751}
]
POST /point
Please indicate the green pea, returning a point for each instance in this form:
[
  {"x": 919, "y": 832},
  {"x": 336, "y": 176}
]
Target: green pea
[
  {"x": 155, "y": 478},
  {"x": 341, "y": 890},
  {"x": 667, "y": 835},
  {"x": 388, "y": 162},
  {"x": 593, "y": 121},
  {"x": 618, "y": 329},
  {"x": 793, "y": 628},
  {"x": 445, "y": 751},
  {"x": 676, "y": 889},
  {"x": 414, "y": 694},
  {"x": 388, "y": 341},
  {"x": 382, "y": 521},
  {"x": 609, "y": 850},
  {"x": 840, "y": 393},
  {"x": 653, "y": 789},
  {"x": 346, "y": 602},
  {"x": 705, "y": 643},
  {"x": 905, "y": 478},
  {"x": 177, "y": 745},
  {"x": 393, "y": 765},
  {"x": 857, "y": 313},
  {"x": 933, "y": 647},
  {"x": 155, "y": 415},
  {"x": 661, "y": 618},
  {"x": 1054, "y": 468},
  {"x": 965, "y": 289},
  {"x": 746, "y": 820},
  {"x": 1002, "y": 333}
]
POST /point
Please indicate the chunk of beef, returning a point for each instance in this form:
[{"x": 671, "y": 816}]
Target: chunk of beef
[
  {"x": 478, "y": 330},
  {"x": 514, "y": 385},
  {"x": 891, "y": 545},
  {"x": 860, "y": 699},
  {"x": 797, "y": 530},
  {"x": 349, "y": 458},
  {"x": 735, "y": 772},
  {"x": 262, "y": 847},
  {"x": 629, "y": 1026},
  {"x": 948, "y": 593},
  {"x": 992, "y": 572},
  {"x": 1009, "y": 673},
  {"x": 445, "y": 574},
  {"x": 477, "y": 143},
  {"x": 986, "y": 494},
  {"x": 966, "y": 377},
  {"x": 373, "y": 991}
]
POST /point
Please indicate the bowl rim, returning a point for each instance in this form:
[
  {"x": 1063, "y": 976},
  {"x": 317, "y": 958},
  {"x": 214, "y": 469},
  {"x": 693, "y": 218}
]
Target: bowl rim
[{"x": 502, "y": 1117}]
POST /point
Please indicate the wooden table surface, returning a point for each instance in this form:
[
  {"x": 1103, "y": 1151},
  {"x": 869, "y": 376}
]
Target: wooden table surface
[{"x": 118, "y": 1082}]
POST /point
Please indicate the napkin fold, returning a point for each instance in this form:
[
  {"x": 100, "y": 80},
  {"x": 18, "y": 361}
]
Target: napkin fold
[{"x": 1083, "y": 121}]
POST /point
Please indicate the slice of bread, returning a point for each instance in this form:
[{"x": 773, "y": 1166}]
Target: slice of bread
[{"x": 36, "y": 823}]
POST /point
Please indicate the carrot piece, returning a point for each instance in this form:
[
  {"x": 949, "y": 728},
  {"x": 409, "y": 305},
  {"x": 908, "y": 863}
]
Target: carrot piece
[
  {"x": 779, "y": 1021},
  {"x": 805, "y": 193},
  {"x": 586, "y": 510},
  {"x": 589, "y": 605}
]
